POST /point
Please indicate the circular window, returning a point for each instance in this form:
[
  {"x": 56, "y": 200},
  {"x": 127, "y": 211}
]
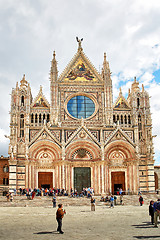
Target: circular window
[{"x": 80, "y": 106}]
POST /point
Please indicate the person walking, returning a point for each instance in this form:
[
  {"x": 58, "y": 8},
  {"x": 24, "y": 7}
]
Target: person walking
[
  {"x": 54, "y": 201},
  {"x": 151, "y": 211},
  {"x": 156, "y": 207},
  {"x": 92, "y": 204},
  {"x": 59, "y": 215},
  {"x": 141, "y": 200}
]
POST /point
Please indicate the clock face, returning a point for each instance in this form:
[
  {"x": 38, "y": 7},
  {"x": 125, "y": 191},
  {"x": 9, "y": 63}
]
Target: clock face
[{"x": 81, "y": 106}]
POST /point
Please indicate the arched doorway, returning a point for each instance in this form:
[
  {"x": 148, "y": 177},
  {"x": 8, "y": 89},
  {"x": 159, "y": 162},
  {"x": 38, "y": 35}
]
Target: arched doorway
[{"x": 118, "y": 181}]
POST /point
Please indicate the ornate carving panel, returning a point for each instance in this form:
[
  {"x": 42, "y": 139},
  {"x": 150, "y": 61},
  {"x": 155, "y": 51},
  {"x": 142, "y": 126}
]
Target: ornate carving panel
[
  {"x": 107, "y": 134},
  {"x": 130, "y": 134},
  {"x": 68, "y": 134},
  {"x": 56, "y": 134},
  {"x": 33, "y": 133}
]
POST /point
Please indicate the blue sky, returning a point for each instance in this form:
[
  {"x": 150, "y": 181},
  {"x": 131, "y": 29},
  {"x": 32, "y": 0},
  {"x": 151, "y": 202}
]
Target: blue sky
[{"x": 128, "y": 31}]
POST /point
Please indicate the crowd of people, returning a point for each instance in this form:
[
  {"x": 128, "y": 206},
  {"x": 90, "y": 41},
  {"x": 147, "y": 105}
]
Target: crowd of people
[{"x": 31, "y": 193}]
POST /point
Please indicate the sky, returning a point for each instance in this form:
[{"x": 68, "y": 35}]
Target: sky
[{"x": 128, "y": 31}]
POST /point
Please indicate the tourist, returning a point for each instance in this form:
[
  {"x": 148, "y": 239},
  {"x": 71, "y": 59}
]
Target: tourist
[
  {"x": 20, "y": 190},
  {"x": 33, "y": 194},
  {"x": 92, "y": 204},
  {"x": 141, "y": 200},
  {"x": 11, "y": 197},
  {"x": 7, "y": 196},
  {"x": 151, "y": 211},
  {"x": 115, "y": 200},
  {"x": 54, "y": 201},
  {"x": 112, "y": 201},
  {"x": 59, "y": 215},
  {"x": 121, "y": 199},
  {"x": 120, "y": 191},
  {"x": 156, "y": 207}
]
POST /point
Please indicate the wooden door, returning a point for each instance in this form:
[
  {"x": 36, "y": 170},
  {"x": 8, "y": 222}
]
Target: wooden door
[
  {"x": 45, "y": 179},
  {"x": 118, "y": 181}
]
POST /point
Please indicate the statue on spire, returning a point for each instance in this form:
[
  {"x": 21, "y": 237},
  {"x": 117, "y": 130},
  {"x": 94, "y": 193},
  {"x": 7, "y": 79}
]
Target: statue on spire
[{"x": 79, "y": 43}]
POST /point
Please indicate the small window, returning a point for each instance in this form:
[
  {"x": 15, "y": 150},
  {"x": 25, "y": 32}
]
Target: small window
[
  {"x": 36, "y": 118},
  {"x": 129, "y": 119},
  {"x": 138, "y": 102},
  {"x": 5, "y": 181},
  {"x": 32, "y": 117},
  {"x": 5, "y": 169},
  {"x": 47, "y": 117},
  {"x": 125, "y": 119},
  {"x": 22, "y": 100},
  {"x": 40, "y": 118},
  {"x": 21, "y": 133},
  {"x": 121, "y": 119}
]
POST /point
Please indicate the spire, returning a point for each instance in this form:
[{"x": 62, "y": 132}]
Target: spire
[
  {"x": 54, "y": 71},
  {"x": 135, "y": 85},
  {"x": 23, "y": 81},
  {"x": 40, "y": 89},
  {"x": 106, "y": 68},
  {"x": 120, "y": 91},
  {"x": 142, "y": 88}
]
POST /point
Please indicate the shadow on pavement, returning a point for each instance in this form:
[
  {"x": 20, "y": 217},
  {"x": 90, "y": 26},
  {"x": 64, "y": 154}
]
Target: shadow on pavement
[
  {"x": 54, "y": 232},
  {"x": 146, "y": 237},
  {"x": 144, "y": 225}
]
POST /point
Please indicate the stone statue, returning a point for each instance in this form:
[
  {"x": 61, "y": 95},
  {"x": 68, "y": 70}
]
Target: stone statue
[{"x": 79, "y": 42}]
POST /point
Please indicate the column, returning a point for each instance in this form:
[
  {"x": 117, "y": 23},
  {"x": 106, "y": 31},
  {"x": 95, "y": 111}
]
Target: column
[
  {"x": 12, "y": 175},
  {"x": 99, "y": 179},
  {"x": 63, "y": 176},
  {"x": 29, "y": 168},
  {"x": 26, "y": 180},
  {"x": 102, "y": 174}
]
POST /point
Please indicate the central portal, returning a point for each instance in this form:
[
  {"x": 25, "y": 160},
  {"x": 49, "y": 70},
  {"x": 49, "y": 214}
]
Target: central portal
[
  {"x": 118, "y": 181},
  {"x": 45, "y": 180},
  {"x": 82, "y": 178}
]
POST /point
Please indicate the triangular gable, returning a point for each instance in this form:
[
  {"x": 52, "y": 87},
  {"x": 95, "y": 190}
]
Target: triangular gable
[
  {"x": 121, "y": 103},
  {"x": 84, "y": 134},
  {"x": 119, "y": 134},
  {"x": 44, "y": 134},
  {"x": 40, "y": 101},
  {"x": 80, "y": 69}
]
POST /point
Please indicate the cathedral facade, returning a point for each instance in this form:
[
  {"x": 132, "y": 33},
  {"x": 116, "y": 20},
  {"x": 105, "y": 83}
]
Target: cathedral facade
[{"x": 81, "y": 138}]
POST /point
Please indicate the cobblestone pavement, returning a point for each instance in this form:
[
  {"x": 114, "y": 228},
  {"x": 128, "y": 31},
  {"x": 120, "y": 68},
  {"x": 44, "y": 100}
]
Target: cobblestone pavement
[{"x": 27, "y": 219}]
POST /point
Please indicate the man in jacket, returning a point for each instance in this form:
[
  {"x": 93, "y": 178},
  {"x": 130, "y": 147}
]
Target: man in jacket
[
  {"x": 156, "y": 207},
  {"x": 59, "y": 215}
]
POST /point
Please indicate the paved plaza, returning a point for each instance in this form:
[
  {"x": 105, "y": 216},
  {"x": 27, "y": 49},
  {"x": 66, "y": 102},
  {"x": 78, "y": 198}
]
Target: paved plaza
[{"x": 35, "y": 219}]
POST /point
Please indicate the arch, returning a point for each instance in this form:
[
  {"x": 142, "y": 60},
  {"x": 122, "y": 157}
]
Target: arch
[
  {"x": 46, "y": 149},
  {"x": 92, "y": 151},
  {"x": 119, "y": 150}
]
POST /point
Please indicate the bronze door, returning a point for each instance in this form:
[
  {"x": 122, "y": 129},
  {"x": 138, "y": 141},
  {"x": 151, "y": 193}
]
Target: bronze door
[
  {"x": 45, "y": 180},
  {"x": 82, "y": 178},
  {"x": 118, "y": 181}
]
